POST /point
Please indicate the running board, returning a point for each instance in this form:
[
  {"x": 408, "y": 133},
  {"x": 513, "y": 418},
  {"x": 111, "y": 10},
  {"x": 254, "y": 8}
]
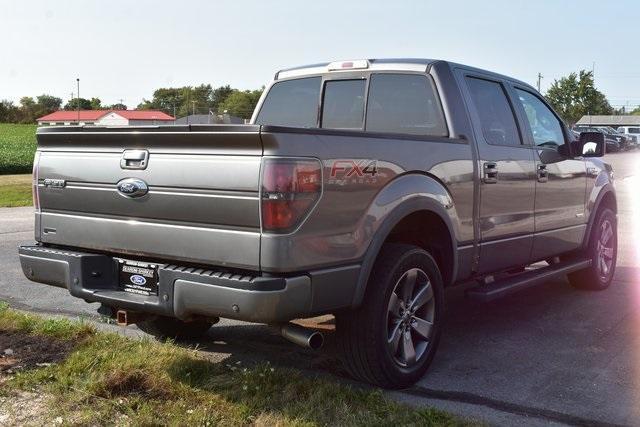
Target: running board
[{"x": 525, "y": 280}]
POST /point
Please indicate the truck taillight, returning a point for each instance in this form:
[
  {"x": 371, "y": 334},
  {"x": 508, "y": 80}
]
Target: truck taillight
[
  {"x": 290, "y": 188},
  {"x": 36, "y": 172}
]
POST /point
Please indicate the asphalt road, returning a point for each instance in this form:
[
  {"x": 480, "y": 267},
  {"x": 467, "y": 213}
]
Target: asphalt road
[{"x": 547, "y": 355}]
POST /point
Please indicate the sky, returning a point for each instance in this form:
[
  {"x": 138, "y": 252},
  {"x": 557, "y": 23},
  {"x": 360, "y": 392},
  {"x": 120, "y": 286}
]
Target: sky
[{"x": 124, "y": 49}]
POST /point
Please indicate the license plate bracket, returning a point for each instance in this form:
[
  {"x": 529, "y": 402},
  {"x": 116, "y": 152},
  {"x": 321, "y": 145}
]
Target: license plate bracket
[{"x": 138, "y": 277}]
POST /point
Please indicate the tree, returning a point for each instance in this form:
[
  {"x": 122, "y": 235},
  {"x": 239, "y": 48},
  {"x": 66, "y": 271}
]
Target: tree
[
  {"x": 575, "y": 95},
  {"x": 9, "y": 113},
  {"x": 219, "y": 95},
  {"x": 96, "y": 104},
  {"x": 85, "y": 104},
  {"x": 183, "y": 101},
  {"x": 48, "y": 104},
  {"x": 118, "y": 106},
  {"x": 27, "y": 110},
  {"x": 241, "y": 103},
  {"x": 27, "y": 102}
]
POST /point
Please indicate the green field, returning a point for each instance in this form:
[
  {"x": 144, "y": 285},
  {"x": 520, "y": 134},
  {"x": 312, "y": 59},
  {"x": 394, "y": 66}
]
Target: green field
[
  {"x": 17, "y": 147},
  {"x": 15, "y": 190}
]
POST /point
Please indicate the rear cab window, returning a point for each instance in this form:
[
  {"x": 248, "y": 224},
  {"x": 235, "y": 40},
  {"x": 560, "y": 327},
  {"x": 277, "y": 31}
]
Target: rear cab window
[
  {"x": 405, "y": 104},
  {"x": 394, "y": 103},
  {"x": 343, "y": 104},
  {"x": 292, "y": 103}
]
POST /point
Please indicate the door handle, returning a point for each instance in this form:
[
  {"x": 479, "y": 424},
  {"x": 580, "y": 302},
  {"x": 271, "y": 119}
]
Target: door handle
[
  {"x": 543, "y": 173},
  {"x": 490, "y": 173},
  {"x": 134, "y": 159}
]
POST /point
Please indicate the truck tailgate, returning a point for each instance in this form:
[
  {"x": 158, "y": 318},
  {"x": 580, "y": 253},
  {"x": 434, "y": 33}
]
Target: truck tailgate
[{"x": 202, "y": 204}]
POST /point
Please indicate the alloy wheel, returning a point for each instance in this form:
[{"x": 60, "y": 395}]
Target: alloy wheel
[
  {"x": 605, "y": 250},
  {"x": 410, "y": 318}
]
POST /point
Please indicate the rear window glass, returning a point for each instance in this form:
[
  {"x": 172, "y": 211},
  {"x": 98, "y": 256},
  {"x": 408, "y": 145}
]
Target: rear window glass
[
  {"x": 634, "y": 130},
  {"x": 292, "y": 103},
  {"x": 404, "y": 103},
  {"x": 494, "y": 111},
  {"x": 343, "y": 104}
]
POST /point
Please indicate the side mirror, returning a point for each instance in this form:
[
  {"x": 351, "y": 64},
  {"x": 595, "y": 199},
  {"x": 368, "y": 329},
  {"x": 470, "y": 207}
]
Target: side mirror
[{"x": 591, "y": 144}]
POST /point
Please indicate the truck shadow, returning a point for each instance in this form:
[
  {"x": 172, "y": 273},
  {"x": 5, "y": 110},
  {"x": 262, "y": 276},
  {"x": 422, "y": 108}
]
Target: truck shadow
[
  {"x": 542, "y": 316},
  {"x": 250, "y": 344}
]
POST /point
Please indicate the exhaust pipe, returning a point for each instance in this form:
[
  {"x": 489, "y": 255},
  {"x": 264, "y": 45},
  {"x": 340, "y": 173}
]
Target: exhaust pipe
[{"x": 302, "y": 336}]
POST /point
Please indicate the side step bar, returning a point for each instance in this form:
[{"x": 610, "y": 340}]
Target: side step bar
[{"x": 525, "y": 280}]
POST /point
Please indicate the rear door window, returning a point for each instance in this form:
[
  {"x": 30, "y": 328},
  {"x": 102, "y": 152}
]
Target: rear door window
[
  {"x": 292, "y": 103},
  {"x": 343, "y": 104},
  {"x": 404, "y": 103},
  {"x": 494, "y": 111}
]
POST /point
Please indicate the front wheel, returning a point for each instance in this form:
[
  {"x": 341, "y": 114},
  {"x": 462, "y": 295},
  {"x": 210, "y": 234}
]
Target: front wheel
[
  {"x": 603, "y": 251},
  {"x": 392, "y": 338}
]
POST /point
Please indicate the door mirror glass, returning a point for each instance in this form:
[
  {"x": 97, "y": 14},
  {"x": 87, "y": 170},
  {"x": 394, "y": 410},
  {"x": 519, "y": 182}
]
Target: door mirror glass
[{"x": 591, "y": 144}]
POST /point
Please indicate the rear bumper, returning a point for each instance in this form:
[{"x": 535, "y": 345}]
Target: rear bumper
[{"x": 183, "y": 292}]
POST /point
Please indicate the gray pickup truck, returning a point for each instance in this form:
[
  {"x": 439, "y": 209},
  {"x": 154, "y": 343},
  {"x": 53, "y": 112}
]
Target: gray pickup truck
[{"x": 360, "y": 189}]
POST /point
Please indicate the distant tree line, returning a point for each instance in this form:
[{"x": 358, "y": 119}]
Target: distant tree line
[
  {"x": 30, "y": 109},
  {"x": 183, "y": 101},
  {"x": 572, "y": 96},
  {"x": 178, "y": 102}
]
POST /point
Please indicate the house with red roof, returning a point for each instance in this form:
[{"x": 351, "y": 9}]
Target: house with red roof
[{"x": 106, "y": 118}]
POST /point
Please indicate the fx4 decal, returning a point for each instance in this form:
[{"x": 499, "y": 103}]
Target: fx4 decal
[{"x": 347, "y": 171}]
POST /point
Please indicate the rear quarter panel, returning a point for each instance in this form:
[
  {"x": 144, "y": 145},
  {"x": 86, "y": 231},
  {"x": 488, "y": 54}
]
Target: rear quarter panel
[{"x": 354, "y": 204}]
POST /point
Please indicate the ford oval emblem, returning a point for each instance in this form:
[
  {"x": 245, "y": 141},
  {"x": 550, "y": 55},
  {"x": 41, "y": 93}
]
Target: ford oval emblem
[
  {"x": 137, "y": 279},
  {"x": 132, "y": 187}
]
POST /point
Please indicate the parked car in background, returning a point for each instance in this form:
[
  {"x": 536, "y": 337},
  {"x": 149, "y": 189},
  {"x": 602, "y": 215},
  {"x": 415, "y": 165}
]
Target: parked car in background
[
  {"x": 612, "y": 142},
  {"x": 631, "y": 132},
  {"x": 625, "y": 141}
]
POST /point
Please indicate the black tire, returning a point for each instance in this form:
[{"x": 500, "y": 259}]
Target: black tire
[
  {"x": 164, "y": 328},
  {"x": 363, "y": 335},
  {"x": 595, "y": 277}
]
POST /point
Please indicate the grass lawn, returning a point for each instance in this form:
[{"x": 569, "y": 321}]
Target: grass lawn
[
  {"x": 17, "y": 147},
  {"x": 15, "y": 190},
  {"x": 87, "y": 377}
]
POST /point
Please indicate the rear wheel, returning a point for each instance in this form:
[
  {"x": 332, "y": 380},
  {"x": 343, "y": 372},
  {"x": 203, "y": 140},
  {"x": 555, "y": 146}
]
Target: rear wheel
[
  {"x": 603, "y": 251},
  {"x": 392, "y": 338},
  {"x": 164, "y": 328}
]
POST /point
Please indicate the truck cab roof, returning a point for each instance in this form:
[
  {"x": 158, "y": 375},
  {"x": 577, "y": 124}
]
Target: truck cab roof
[{"x": 382, "y": 64}]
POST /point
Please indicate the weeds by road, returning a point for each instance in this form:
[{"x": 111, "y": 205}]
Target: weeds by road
[
  {"x": 17, "y": 148},
  {"x": 15, "y": 190},
  {"x": 105, "y": 378}
]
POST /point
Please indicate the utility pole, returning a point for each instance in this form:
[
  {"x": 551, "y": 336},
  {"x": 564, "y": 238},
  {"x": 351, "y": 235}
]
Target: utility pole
[
  {"x": 78, "y": 106},
  {"x": 193, "y": 103},
  {"x": 540, "y": 76}
]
